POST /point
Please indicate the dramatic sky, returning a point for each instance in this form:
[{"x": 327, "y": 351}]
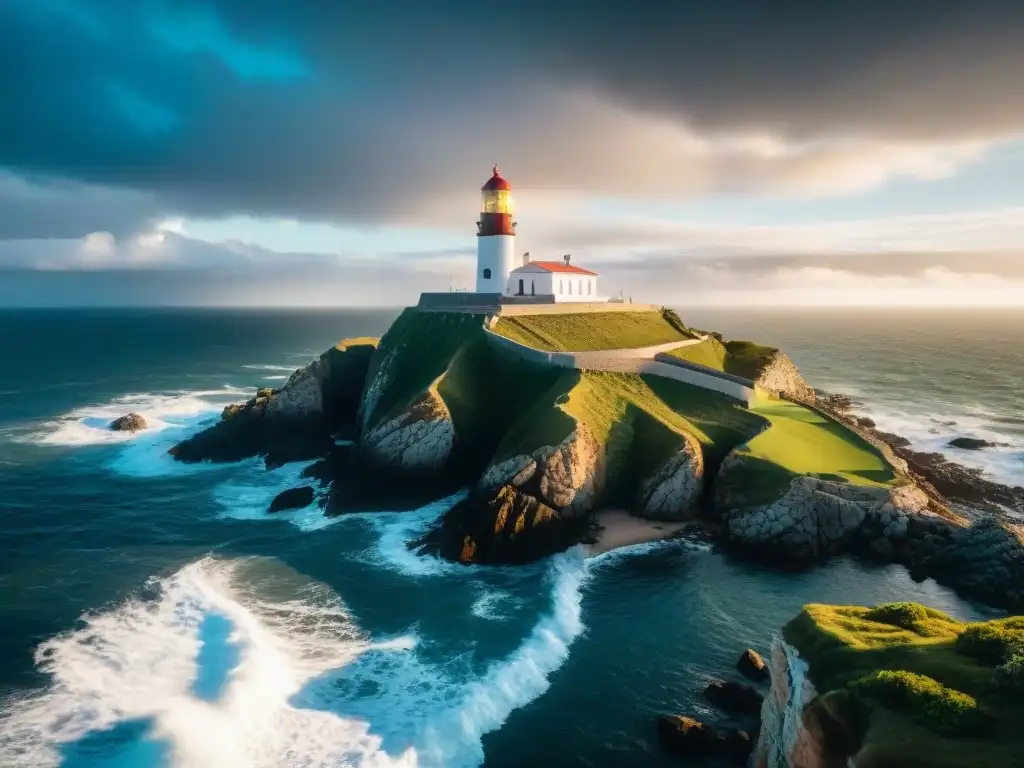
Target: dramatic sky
[{"x": 314, "y": 152}]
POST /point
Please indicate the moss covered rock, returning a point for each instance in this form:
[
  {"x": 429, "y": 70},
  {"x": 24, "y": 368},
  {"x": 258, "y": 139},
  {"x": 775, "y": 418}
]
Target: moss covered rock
[{"x": 904, "y": 687}]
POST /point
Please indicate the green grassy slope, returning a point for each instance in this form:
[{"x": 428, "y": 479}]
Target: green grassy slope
[
  {"x": 940, "y": 708},
  {"x": 419, "y": 347},
  {"x": 801, "y": 442},
  {"x": 747, "y": 359},
  {"x": 503, "y": 406},
  {"x": 640, "y": 420},
  {"x": 710, "y": 353},
  {"x": 484, "y": 388},
  {"x": 740, "y": 358},
  {"x": 591, "y": 330}
]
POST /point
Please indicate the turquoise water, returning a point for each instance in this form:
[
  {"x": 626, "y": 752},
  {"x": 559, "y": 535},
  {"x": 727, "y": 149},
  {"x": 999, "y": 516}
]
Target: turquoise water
[{"x": 154, "y": 614}]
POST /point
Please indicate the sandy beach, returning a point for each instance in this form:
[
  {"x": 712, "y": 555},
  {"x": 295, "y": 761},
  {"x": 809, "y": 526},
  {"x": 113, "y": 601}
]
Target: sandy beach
[{"x": 617, "y": 528}]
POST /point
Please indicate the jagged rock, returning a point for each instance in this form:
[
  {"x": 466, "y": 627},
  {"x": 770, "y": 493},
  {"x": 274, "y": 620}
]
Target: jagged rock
[
  {"x": 752, "y": 666},
  {"x": 735, "y": 744},
  {"x": 671, "y": 492},
  {"x": 511, "y": 527},
  {"x": 420, "y": 438},
  {"x": 864, "y": 421},
  {"x": 686, "y": 736},
  {"x": 984, "y": 560},
  {"x": 972, "y": 443},
  {"x": 293, "y": 498},
  {"x": 933, "y": 472},
  {"x": 132, "y": 422},
  {"x": 815, "y": 517},
  {"x": 733, "y": 697},
  {"x": 515, "y": 470},
  {"x": 689, "y": 738},
  {"x": 301, "y": 395},
  {"x": 781, "y": 376},
  {"x": 294, "y": 422},
  {"x": 570, "y": 476}
]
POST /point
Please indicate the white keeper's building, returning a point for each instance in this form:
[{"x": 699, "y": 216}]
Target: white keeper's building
[{"x": 500, "y": 271}]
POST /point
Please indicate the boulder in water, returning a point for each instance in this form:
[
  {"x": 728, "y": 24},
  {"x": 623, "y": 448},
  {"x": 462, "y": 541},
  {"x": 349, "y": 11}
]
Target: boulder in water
[
  {"x": 293, "y": 498},
  {"x": 133, "y": 422},
  {"x": 752, "y": 666},
  {"x": 686, "y": 736},
  {"x": 733, "y": 697},
  {"x": 972, "y": 443}
]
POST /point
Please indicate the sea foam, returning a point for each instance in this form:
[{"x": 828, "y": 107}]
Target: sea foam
[
  {"x": 308, "y": 689},
  {"x": 90, "y": 424}
]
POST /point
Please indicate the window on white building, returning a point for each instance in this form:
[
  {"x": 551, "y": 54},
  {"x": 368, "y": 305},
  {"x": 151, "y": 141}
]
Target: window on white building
[
  {"x": 590, "y": 287},
  {"x": 487, "y": 274},
  {"x": 560, "y": 288}
]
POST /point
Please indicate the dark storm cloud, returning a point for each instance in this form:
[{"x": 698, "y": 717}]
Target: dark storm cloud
[{"x": 359, "y": 111}]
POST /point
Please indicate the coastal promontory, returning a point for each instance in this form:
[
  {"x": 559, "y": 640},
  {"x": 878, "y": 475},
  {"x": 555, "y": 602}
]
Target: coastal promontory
[{"x": 551, "y": 419}]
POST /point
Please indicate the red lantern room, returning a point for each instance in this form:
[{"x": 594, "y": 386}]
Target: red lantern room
[{"x": 496, "y": 207}]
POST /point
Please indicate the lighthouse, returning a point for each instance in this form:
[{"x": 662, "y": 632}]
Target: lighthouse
[{"x": 496, "y": 236}]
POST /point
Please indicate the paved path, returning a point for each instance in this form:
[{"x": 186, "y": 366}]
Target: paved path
[{"x": 637, "y": 360}]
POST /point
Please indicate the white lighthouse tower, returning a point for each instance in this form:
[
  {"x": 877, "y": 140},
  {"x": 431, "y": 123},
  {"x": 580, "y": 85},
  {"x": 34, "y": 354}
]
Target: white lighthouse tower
[{"x": 496, "y": 236}]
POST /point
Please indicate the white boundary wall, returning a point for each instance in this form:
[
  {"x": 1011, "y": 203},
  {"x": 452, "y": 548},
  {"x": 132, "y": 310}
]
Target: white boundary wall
[{"x": 638, "y": 360}]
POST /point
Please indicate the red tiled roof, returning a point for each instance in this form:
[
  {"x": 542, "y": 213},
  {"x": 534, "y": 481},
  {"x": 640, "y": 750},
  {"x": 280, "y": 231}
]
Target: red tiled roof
[
  {"x": 496, "y": 182},
  {"x": 558, "y": 266}
]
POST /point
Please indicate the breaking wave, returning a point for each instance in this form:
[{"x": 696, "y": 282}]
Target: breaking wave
[
  {"x": 246, "y": 663},
  {"x": 175, "y": 411}
]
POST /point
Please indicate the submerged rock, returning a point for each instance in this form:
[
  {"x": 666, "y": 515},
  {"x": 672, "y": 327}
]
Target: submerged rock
[
  {"x": 753, "y": 667},
  {"x": 733, "y": 697},
  {"x": 293, "y": 498},
  {"x": 688, "y": 737},
  {"x": 972, "y": 443},
  {"x": 132, "y": 422}
]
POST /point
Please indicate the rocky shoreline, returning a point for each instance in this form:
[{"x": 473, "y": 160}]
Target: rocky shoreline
[
  {"x": 939, "y": 519},
  {"x": 943, "y": 479}
]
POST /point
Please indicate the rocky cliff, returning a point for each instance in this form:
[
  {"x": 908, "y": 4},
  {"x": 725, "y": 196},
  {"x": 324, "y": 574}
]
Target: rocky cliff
[
  {"x": 815, "y": 517},
  {"x": 781, "y": 377},
  {"x": 291, "y": 423},
  {"x": 419, "y": 438},
  {"x": 433, "y": 407}
]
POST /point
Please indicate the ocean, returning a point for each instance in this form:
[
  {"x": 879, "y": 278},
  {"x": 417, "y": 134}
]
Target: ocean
[{"x": 154, "y": 614}]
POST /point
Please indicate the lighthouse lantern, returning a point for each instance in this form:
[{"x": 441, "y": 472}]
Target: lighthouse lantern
[{"x": 496, "y": 235}]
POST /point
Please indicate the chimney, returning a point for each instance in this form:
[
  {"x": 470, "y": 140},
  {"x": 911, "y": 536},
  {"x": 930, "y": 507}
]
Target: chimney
[
  {"x": 526, "y": 258},
  {"x": 567, "y": 257}
]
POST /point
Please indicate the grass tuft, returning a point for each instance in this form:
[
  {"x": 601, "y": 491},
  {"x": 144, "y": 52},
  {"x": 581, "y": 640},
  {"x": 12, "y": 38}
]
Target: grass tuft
[{"x": 930, "y": 703}]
